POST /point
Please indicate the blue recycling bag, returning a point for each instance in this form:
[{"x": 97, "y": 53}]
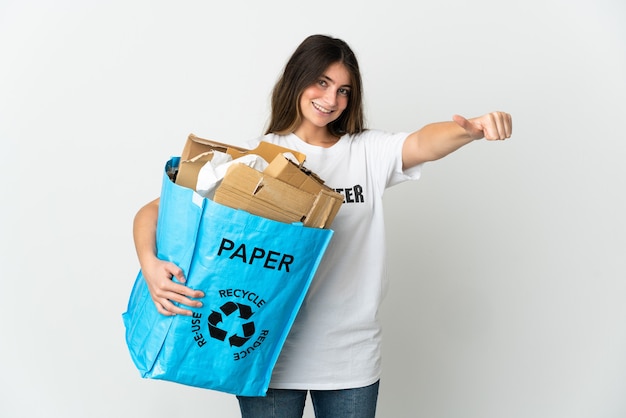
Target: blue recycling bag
[{"x": 254, "y": 272}]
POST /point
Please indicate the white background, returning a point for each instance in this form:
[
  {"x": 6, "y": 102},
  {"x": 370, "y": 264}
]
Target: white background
[{"x": 507, "y": 259}]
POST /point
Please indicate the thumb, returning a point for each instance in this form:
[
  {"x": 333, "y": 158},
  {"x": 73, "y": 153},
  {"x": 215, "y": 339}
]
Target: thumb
[
  {"x": 461, "y": 121},
  {"x": 471, "y": 129}
]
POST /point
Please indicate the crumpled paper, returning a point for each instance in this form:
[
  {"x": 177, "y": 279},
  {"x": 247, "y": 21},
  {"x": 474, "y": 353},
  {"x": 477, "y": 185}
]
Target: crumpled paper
[{"x": 212, "y": 173}]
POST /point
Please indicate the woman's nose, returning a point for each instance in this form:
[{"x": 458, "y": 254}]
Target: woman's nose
[{"x": 330, "y": 97}]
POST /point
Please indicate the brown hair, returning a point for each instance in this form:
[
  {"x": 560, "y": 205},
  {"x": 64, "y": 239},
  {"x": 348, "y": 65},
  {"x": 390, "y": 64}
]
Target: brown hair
[{"x": 309, "y": 61}]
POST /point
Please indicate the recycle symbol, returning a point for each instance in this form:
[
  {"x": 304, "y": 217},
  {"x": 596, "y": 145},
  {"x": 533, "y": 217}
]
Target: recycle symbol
[{"x": 245, "y": 312}]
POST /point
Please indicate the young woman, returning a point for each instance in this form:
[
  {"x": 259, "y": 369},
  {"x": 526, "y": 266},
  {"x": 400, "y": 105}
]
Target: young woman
[{"x": 333, "y": 351}]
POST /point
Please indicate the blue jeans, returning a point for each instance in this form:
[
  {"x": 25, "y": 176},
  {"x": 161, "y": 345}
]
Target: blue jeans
[{"x": 288, "y": 403}]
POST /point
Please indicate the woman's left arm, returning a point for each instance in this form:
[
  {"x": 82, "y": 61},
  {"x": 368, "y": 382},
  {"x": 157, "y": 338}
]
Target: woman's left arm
[{"x": 436, "y": 140}]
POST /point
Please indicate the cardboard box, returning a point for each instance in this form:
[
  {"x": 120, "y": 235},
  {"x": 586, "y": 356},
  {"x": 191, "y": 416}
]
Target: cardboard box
[
  {"x": 288, "y": 195},
  {"x": 286, "y": 170},
  {"x": 196, "y": 146},
  {"x": 198, "y": 151},
  {"x": 256, "y": 192},
  {"x": 327, "y": 202},
  {"x": 284, "y": 191},
  {"x": 248, "y": 189}
]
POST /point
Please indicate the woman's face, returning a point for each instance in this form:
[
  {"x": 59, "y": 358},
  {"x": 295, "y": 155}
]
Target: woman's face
[{"x": 323, "y": 102}]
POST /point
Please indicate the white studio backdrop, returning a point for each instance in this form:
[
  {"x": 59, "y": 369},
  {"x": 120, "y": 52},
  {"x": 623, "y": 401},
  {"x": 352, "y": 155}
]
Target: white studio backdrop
[{"x": 507, "y": 260}]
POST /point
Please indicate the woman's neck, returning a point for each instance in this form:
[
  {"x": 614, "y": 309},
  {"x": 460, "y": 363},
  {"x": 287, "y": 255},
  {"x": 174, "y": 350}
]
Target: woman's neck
[{"x": 318, "y": 136}]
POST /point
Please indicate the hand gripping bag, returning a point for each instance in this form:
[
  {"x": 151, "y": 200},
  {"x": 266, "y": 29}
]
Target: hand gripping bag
[{"x": 254, "y": 272}]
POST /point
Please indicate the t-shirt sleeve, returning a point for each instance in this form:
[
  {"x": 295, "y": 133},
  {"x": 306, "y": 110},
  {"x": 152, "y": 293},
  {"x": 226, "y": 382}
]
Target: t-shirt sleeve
[{"x": 388, "y": 156}]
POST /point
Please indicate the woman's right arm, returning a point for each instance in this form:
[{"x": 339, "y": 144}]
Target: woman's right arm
[{"x": 159, "y": 273}]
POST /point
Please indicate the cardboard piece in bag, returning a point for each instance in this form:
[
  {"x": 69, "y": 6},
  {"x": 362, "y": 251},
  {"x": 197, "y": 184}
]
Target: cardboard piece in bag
[
  {"x": 255, "y": 192},
  {"x": 188, "y": 170},
  {"x": 248, "y": 189},
  {"x": 283, "y": 192},
  {"x": 328, "y": 201},
  {"x": 196, "y": 146},
  {"x": 286, "y": 170},
  {"x": 198, "y": 151}
]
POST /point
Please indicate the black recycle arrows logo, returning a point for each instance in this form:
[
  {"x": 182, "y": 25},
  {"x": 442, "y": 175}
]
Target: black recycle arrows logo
[{"x": 245, "y": 312}]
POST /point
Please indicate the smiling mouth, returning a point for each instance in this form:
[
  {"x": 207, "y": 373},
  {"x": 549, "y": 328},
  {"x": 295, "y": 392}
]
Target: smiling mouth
[{"x": 322, "y": 109}]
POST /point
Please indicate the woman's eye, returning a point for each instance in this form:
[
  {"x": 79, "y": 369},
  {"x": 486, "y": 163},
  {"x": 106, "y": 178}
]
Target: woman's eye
[
  {"x": 322, "y": 83},
  {"x": 344, "y": 92}
]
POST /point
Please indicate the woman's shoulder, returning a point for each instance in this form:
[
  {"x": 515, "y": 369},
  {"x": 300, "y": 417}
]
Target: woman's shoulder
[
  {"x": 270, "y": 137},
  {"x": 252, "y": 143},
  {"x": 369, "y": 135}
]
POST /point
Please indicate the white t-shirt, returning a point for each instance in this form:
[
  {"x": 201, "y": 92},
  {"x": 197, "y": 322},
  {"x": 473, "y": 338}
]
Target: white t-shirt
[{"x": 335, "y": 341}]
